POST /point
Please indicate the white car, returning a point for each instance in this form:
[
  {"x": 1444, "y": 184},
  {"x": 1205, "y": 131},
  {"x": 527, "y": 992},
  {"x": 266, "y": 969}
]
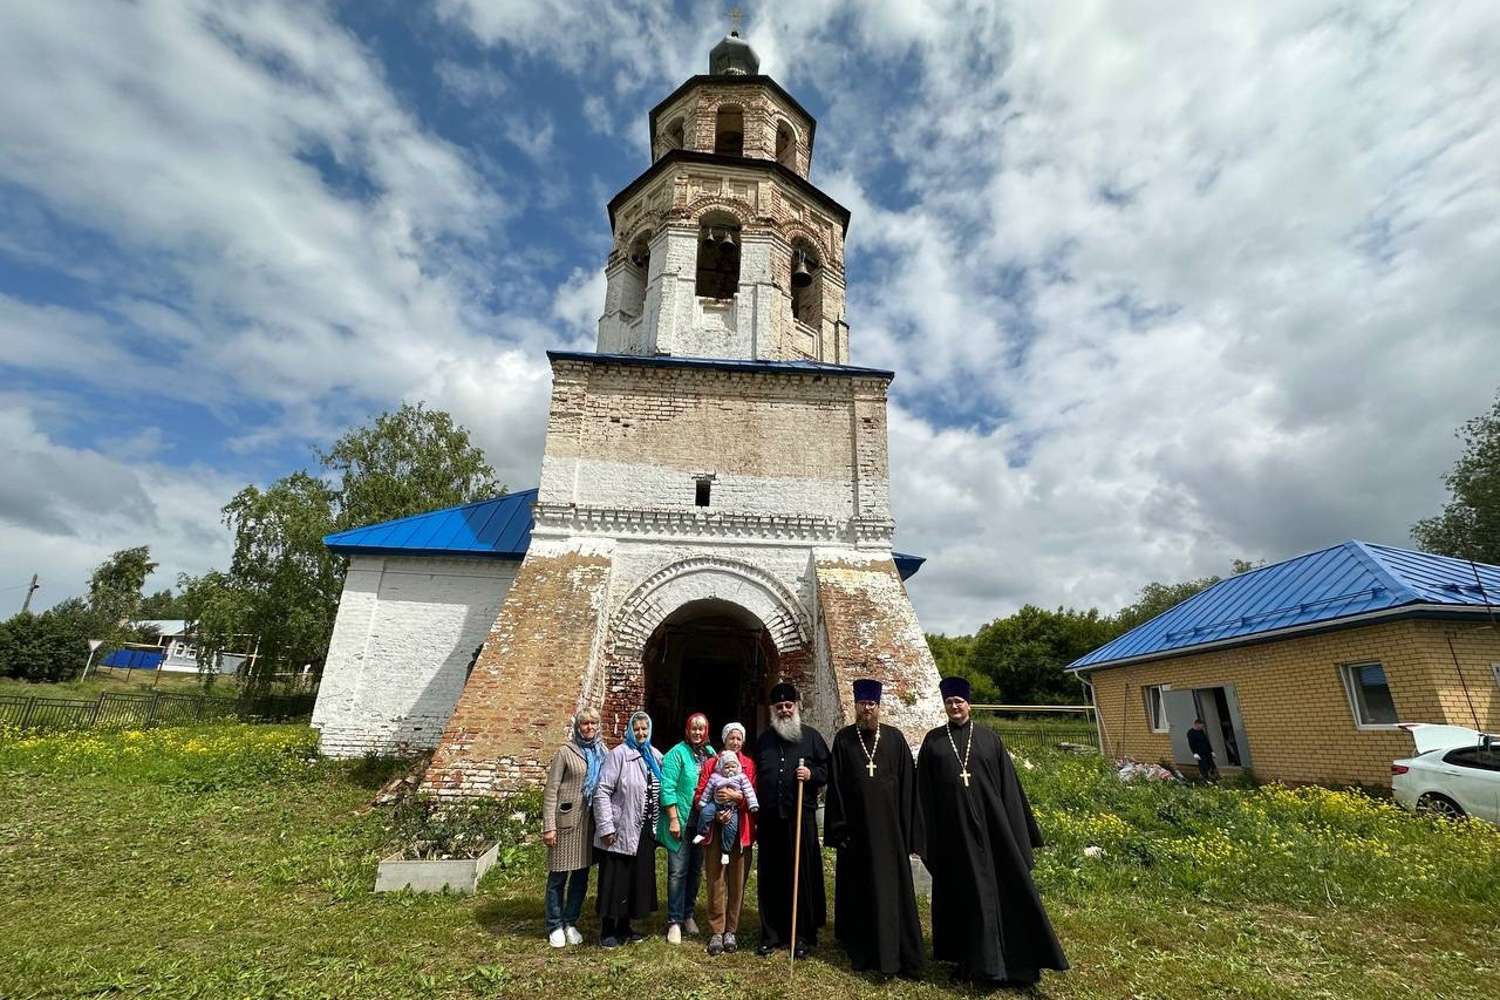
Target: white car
[{"x": 1455, "y": 772}]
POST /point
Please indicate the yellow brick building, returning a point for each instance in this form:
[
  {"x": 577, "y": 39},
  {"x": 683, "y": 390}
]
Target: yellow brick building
[{"x": 1303, "y": 671}]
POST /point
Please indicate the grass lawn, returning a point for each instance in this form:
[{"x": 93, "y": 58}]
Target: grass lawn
[
  {"x": 110, "y": 681},
  {"x": 224, "y": 862}
]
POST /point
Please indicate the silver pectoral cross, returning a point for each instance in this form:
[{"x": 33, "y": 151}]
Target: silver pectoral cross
[
  {"x": 871, "y": 768},
  {"x": 964, "y": 774}
]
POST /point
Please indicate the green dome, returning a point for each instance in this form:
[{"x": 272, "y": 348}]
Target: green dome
[{"x": 732, "y": 57}]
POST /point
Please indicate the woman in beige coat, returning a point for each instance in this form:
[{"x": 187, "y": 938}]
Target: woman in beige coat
[{"x": 568, "y": 827}]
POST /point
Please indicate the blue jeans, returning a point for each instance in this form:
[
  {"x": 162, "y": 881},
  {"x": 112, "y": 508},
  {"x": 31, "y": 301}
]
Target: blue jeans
[
  {"x": 684, "y": 870},
  {"x": 562, "y": 913},
  {"x": 729, "y": 830}
]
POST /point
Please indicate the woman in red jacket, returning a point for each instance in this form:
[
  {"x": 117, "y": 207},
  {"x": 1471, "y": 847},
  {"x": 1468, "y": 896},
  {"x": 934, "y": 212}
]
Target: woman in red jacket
[{"x": 726, "y": 882}]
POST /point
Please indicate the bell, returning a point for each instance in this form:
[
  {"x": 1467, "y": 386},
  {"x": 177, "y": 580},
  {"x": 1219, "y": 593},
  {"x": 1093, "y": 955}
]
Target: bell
[
  {"x": 801, "y": 276},
  {"x": 728, "y": 241},
  {"x": 710, "y": 236}
]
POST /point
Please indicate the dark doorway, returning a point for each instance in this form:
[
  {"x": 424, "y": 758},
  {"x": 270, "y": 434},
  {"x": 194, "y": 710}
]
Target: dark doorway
[{"x": 712, "y": 657}]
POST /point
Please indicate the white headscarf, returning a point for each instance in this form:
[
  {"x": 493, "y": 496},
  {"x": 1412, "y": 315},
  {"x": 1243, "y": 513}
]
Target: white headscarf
[{"x": 730, "y": 727}]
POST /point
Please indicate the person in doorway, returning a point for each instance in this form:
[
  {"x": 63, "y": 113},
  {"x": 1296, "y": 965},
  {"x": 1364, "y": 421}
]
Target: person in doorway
[
  {"x": 568, "y": 826},
  {"x": 627, "y": 804},
  {"x": 787, "y": 755},
  {"x": 873, "y": 820},
  {"x": 726, "y": 879},
  {"x": 979, "y": 836},
  {"x": 1203, "y": 749},
  {"x": 679, "y": 782}
]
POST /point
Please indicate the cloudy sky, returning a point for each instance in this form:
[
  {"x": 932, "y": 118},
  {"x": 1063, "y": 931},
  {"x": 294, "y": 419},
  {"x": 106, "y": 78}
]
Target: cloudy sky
[{"x": 1161, "y": 290}]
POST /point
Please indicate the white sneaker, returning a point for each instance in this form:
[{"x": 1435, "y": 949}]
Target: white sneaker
[
  {"x": 674, "y": 934},
  {"x": 690, "y": 926},
  {"x": 573, "y": 936},
  {"x": 557, "y": 938}
]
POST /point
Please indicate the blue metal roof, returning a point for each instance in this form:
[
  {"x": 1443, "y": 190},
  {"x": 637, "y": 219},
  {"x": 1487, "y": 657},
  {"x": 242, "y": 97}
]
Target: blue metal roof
[
  {"x": 805, "y": 367},
  {"x": 1323, "y": 587},
  {"x": 499, "y": 528}
]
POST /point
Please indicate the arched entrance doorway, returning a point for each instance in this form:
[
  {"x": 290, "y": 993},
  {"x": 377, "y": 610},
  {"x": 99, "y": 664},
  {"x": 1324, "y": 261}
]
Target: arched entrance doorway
[{"x": 710, "y": 656}]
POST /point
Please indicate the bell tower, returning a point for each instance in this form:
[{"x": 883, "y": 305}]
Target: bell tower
[
  {"x": 713, "y": 514},
  {"x": 723, "y": 248}
]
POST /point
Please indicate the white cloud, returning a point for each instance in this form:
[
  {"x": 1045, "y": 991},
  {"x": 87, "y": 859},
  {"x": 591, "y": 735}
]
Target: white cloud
[
  {"x": 63, "y": 510},
  {"x": 1160, "y": 291}
]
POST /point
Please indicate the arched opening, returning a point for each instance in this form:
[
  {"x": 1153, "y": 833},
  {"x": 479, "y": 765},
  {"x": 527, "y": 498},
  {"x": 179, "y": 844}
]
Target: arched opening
[
  {"x": 673, "y": 136},
  {"x": 786, "y": 146},
  {"x": 633, "y": 301},
  {"x": 729, "y": 131},
  {"x": 709, "y": 656},
  {"x": 718, "y": 274},
  {"x": 807, "y": 288}
]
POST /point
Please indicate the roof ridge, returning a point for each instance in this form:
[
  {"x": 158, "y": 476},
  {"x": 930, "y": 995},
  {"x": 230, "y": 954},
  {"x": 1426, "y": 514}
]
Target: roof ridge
[{"x": 1372, "y": 559}]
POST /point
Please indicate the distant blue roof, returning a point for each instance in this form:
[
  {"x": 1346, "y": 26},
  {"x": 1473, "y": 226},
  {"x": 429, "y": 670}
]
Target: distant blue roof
[
  {"x": 724, "y": 364},
  {"x": 500, "y": 528},
  {"x": 1319, "y": 588}
]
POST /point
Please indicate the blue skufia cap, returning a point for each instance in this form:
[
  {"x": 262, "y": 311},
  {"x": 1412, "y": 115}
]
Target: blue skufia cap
[
  {"x": 954, "y": 687},
  {"x": 866, "y": 689}
]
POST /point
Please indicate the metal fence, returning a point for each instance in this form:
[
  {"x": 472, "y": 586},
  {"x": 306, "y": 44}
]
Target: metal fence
[
  {"x": 1042, "y": 727},
  {"x": 138, "y": 711}
]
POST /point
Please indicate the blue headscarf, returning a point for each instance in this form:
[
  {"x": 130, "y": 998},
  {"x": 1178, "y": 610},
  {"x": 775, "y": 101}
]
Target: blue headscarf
[
  {"x": 593, "y": 754},
  {"x": 643, "y": 747}
]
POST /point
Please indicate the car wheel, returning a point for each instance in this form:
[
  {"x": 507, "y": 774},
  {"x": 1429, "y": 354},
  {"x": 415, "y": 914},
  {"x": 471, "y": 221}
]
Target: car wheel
[{"x": 1433, "y": 804}]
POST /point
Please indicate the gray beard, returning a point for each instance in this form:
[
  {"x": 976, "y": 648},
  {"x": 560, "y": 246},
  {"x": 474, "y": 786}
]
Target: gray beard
[{"x": 789, "y": 729}]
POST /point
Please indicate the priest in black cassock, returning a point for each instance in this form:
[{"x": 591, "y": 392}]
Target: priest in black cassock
[
  {"x": 986, "y": 914},
  {"x": 872, "y": 819},
  {"x": 786, "y": 754}
]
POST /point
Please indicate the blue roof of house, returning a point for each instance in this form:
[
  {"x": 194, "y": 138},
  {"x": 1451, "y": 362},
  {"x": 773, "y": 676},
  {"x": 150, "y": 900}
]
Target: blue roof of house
[
  {"x": 1320, "y": 588},
  {"x": 499, "y": 528},
  {"x": 801, "y": 366}
]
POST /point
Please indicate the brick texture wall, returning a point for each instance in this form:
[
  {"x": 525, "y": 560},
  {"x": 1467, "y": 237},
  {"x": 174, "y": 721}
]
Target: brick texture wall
[
  {"x": 1298, "y": 722},
  {"x": 868, "y": 628},
  {"x": 514, "y": 712}
]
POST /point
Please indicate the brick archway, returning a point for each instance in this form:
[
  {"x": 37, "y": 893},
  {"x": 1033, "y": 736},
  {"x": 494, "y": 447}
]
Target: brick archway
[{"x": 698, "y": 582}]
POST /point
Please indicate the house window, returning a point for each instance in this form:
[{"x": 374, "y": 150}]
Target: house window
[
  {"x": 729, "y": 131},
  {"x": 718, "y": 274},
  {"x": 1369, "y": 695},
  {"x": 704, "y": 486},
  {"x": 1156, "y": 709}
]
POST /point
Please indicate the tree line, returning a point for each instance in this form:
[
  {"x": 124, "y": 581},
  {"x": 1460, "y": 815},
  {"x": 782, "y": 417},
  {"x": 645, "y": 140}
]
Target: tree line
[
  {"x": 1019, "y": 659},
  {"x": 280, "y": 591}
]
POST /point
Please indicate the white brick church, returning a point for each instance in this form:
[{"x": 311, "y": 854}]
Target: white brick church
[{"x": 713, "y": 510}]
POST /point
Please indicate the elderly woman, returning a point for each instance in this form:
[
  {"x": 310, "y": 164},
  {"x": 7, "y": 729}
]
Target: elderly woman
[
  {"x": 627, "y": 804},
  {"x": 679, "y": 782},
  {"x": 568, "y": 826},
  {"x": 726, "y": 882}
]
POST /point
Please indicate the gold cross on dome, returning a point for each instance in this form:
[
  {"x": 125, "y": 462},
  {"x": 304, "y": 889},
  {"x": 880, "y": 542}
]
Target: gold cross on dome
[{"x": 735, "y": 16}]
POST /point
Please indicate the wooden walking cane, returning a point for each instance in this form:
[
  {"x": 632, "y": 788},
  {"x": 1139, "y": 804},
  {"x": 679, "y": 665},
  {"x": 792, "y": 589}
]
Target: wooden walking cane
[{"x": 796, "y": 875}]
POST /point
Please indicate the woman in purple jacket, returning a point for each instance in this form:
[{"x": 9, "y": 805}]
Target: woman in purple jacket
[{"x": 627, "y": 804}]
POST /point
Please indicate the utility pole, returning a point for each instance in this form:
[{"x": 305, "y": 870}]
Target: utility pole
[{"x": 26, "y": 604}]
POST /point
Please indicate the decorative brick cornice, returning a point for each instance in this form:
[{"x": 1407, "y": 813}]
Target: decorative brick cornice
[{"x": 556, "y": 519}]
